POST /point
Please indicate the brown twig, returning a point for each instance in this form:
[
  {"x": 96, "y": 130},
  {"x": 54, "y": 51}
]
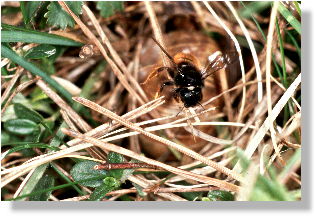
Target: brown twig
[
  {"x": 123, "y": 151},
  {"x": 157, "y": 138}
]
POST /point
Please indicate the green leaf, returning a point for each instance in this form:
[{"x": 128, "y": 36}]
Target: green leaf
[
  {"x": 100, "y": 192},
  {"x": 192, "y": 196},
  {"x": 9, "y": 10},
  {"x": 289, "y": 17},
  {"x": 21, "y": 126},
  {"x": 111, "y": 182},
  {"x": 296, "y": 158},
  {"x": 253, "y": 8},
  {"x": 38, "y": 95},
  {"x": 260, "y": 195},
  {"x": 298, "y": 9},
  {"x": 39, "y": 171},
  {"x": 114, "y": 157},
  {"x": 34, "y": 137},
  {"x": 27, "y": 146},
  {"x": 8, "y": 114},
  {"x": 16, "y": 34},
  {"x": 8, "y": 53},
  {"x": 43, "y": 106},
  {"x": 298, "y": 49},
  {"x": 45, "y": 182},
  {"x": 40, "y": 51},
  {"x": 46, "y": 66},
  {"x": 218, "y": 195},
  {"x": 56, "y": 16},
  {"x": 5, "y": 138},
  {"x": 65, "y": 177},
  {"x": 205, "y": 199},
  {"x": 270, "y": 188},
  {"x": 24, "y": 112},
  {"x": 109, "y": 8},
  {"x": 126, "y": 174},
  {"x": 139, "y": 189},
  {"x": 29, "y": 10},
  {"x": 84, "y": 170},
  {"x": 244, "y": 161}
]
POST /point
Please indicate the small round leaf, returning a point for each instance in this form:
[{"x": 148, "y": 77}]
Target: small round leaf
[
  {"x": 218, "y": 195},
  {"x": 84, "y": 173},
  {"x": 21, "y": 126},
  {"x": 23, "y": 112}
]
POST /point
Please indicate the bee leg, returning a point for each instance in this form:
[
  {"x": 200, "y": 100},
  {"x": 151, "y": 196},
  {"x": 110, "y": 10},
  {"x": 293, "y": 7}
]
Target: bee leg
[
  {"x": 175, "y": 94},
  {"x": 163, "y": 68},
  {"x": 201, "y": 106},
  {"x": 170, "y": 72},
  {"x": 168, "y": 69},
  {"x": 176, "y": 97},
  {"x": 180, "y": 111},
  {"x": 166, "y": 83},
  {"x": 156, "y": 72}
]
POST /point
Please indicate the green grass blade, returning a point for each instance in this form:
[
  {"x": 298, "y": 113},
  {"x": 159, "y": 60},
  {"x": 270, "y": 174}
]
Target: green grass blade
[
  {"x": 39, "y": 171},
  {"x": 49, "y": 189},
  {"x": 297, "y": 6},
  {"x": 13, "y": 56},
  {"x": 67, "y": 180},
  {"x": 254, "y": 7},
  {"x": 27, "y": 146},
  {"x": 16, "y": 34},
  {"x": 255, "y": 21},
  {"x": 295, "y": 159},
  {"x": 39, "y": 38},
  {"x": 282, "y": 54},
  {"x": 290, "y": 18},
  {"x": 298, "y": 49}
]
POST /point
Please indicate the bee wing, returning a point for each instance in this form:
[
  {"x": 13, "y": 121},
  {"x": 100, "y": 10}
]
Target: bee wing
[{"x": 218, "y": 61}]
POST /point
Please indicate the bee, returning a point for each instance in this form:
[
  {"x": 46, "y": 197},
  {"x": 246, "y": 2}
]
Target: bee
[
  {"x": 188, "y": 77},
  {"x": 188, "y": 53}
]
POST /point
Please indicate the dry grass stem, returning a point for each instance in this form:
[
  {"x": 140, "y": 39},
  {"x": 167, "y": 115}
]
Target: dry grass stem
[
  {"x": 126, "y": 152},
  {"x": 268, "y": 73},
  {"x": 144, "y": 183},
  {"x": 161, "y": 190},
  {"x": 201, "y": 171},
  {"x": 24, "y": 182},
  {"x": 169, "y": 143},
  {"x": 68, "y": 120},
  {"x": 103, "y": 129},
  {"x": 134, "y": 76},
  {"x": 255, "y": 141},
  {"x": 63, "y": 105},
  {"x": 283, "y": 88},
  {"x": 157, "y": 31},
  {"x": 236, "y": 43},
  {"x": 75, "y": 73},
  {"x": 11, "y": 83},
  {"x": 252, "y": 48},
  {"x": 20, "y": 88},
  {"x": 93, "y": 38},
  {"x": 246, "y": 191},
  {"x": 18, "y": 171},
  {"x": 113, "y": 52},
  {"x": 68, "y": 85}
]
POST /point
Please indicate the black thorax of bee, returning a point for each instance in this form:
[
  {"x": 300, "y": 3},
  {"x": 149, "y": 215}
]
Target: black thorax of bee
[
  {"x": 189, "y": 80},
  {"x": 189, "y": 83}
]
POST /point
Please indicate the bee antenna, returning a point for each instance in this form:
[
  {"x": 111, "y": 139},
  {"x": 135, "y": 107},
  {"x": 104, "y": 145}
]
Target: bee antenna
[
  {"x": 180, "y": 111},
  {"x": 201, "y": 106},
  {"x": 165, "y": 52}
]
